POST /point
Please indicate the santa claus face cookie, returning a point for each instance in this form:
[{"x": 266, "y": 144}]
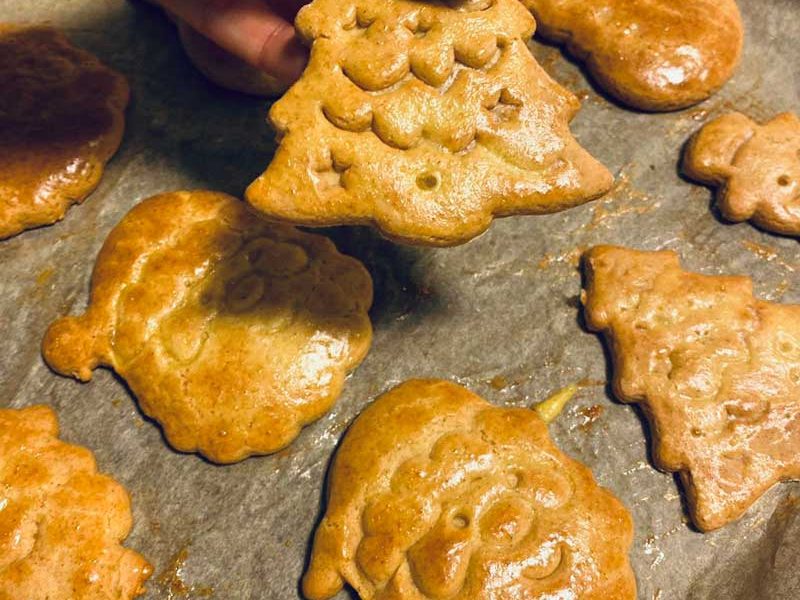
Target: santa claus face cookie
[
  {"x": 233, "y": 333},
  {"x": 435, "y": 493}
]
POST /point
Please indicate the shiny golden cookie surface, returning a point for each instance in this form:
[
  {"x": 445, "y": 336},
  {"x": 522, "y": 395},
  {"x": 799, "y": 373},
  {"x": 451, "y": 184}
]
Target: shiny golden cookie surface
[
  {"x": 757, "y": 168},
  {"x": 61, "y": 522},
  {"x": 232, "y": 333},
  {"x": 650, "y": 54},
  {"x": 425, "y": 120},
  {"x": 61, "y": 120},
  {"x": 717, "y": 371},
  {"x": 435, "y": 493}
]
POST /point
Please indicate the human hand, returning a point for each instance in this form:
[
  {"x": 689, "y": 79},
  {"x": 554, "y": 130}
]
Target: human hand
[{"x": 257, "y": 31}]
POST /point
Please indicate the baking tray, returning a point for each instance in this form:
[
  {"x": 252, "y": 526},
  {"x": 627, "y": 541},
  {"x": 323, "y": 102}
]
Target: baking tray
[{"x": 499, "y": 315}]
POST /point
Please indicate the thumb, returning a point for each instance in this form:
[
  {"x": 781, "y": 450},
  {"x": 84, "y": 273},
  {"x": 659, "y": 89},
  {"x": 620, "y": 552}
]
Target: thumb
[{"x": 249, "y": 29}]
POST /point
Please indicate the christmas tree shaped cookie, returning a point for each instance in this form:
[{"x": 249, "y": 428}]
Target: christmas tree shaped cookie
[
  {"x": 425, "y": 119},
  {"x": 717, "y": 370},
  {"x": 61, "y": 522}
]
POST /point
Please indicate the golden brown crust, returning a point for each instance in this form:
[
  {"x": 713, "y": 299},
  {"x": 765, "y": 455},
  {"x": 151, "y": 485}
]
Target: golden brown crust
[
  {"x": 716, "y": 370},
  {"x": 225, "y": 69},
  {"x": 426, "y": 120},
  {"x": 756, "y": 167},
  {"x": 435, "y": 493},
  {"x": 61, "y": 522},
  {"x": 654, "y": 55},
  {"x": 61, "y": 120},
  {"x": 233, "y": 333}
]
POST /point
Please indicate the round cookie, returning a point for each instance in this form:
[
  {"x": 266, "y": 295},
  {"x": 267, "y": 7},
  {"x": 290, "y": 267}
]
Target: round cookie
[
  {"x": 61, "y": 522},
  {"x": 61, "y": 120},
  {"x": 232, "y": 333},
  {"x": 225, "y": 69},
  {"x": 435, "y": 493}
]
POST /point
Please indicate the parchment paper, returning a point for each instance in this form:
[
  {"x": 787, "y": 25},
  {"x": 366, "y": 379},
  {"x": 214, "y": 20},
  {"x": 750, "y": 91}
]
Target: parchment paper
[{"x": 498, "y": 315}]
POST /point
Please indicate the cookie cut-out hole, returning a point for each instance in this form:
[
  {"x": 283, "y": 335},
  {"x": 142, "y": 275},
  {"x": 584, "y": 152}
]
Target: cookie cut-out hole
[
  {"x": 429, "y": 182},
  {"x": 513, "y": 480},
  {"x": 460, "y": 521},
  {"x": 784, "y": 180}
]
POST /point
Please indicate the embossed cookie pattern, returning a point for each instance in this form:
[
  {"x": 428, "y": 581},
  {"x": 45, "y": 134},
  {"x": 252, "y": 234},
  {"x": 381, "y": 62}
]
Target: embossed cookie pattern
[
  {"x": 231, "y": 332},
  {"x": 756, "y": 167},
  {"x": 61, "y": 120},
  {"x": 61, "y": 522},
  {"x": 653, "y": 55},
  {"x": 425, "y": 119},
  {"x": 434, "y": 493},
  {"x": 717, "y": 371}
]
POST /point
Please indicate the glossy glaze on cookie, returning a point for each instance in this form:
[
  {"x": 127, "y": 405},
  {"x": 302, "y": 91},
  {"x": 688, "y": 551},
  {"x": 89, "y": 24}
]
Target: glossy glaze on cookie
[
  {"x": 435, "y": 493},
  {"x": 756, "y": 168},
  {"x": 424, "y": 119},
  {"x": 61, "y": 120},
  {"x": 653, "y": 55},
  {"x": 716, "y": 370},
  {"x": 232, "y": 333},
  {"x": 61, "y": 522}
]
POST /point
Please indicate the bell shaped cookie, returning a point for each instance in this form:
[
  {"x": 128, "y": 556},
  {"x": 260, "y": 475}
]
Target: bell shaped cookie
[
  {"x": 61, "y": 120},
  {"x": 756, "y": 167},
  {"x": 654, "y": 55},
  {"x": 716, "y": 370},
  {"x": 435, "y": 493},
  {"x": 61, "y": 522},
  {"x": 231, "y": 332},
  {"x": 425, "y": 120}
]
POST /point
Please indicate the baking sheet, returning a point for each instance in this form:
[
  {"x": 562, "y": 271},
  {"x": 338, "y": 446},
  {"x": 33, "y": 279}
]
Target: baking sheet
[{"x": 498, "y": 315}]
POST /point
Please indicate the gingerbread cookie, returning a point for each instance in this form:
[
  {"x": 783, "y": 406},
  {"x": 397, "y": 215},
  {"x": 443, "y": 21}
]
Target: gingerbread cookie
[
  {"x": 653, "y": 55},
  {"x": 716, "y": 370},
  {"x": 61, "y": 120},
  {"x": 225, "y": 69},
  {"x": 231, "y": 332},
  {"x": 435, "y": 493},
  {"x": 424, "y": 119},
  {"x": 61, "y": 522},
  {"x": 757, "y": 168}
]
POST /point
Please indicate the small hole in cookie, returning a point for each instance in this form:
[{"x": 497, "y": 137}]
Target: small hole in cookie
[
  {"x": 513, "y": 480},
  {"x": 784, "y": 180},
  {"x": 428, "y": 181},
  {"x": 460, "y": 521}
]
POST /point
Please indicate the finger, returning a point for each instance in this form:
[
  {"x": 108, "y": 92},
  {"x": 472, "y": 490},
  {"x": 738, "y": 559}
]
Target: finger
[{"x": 249, "y": 29}]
